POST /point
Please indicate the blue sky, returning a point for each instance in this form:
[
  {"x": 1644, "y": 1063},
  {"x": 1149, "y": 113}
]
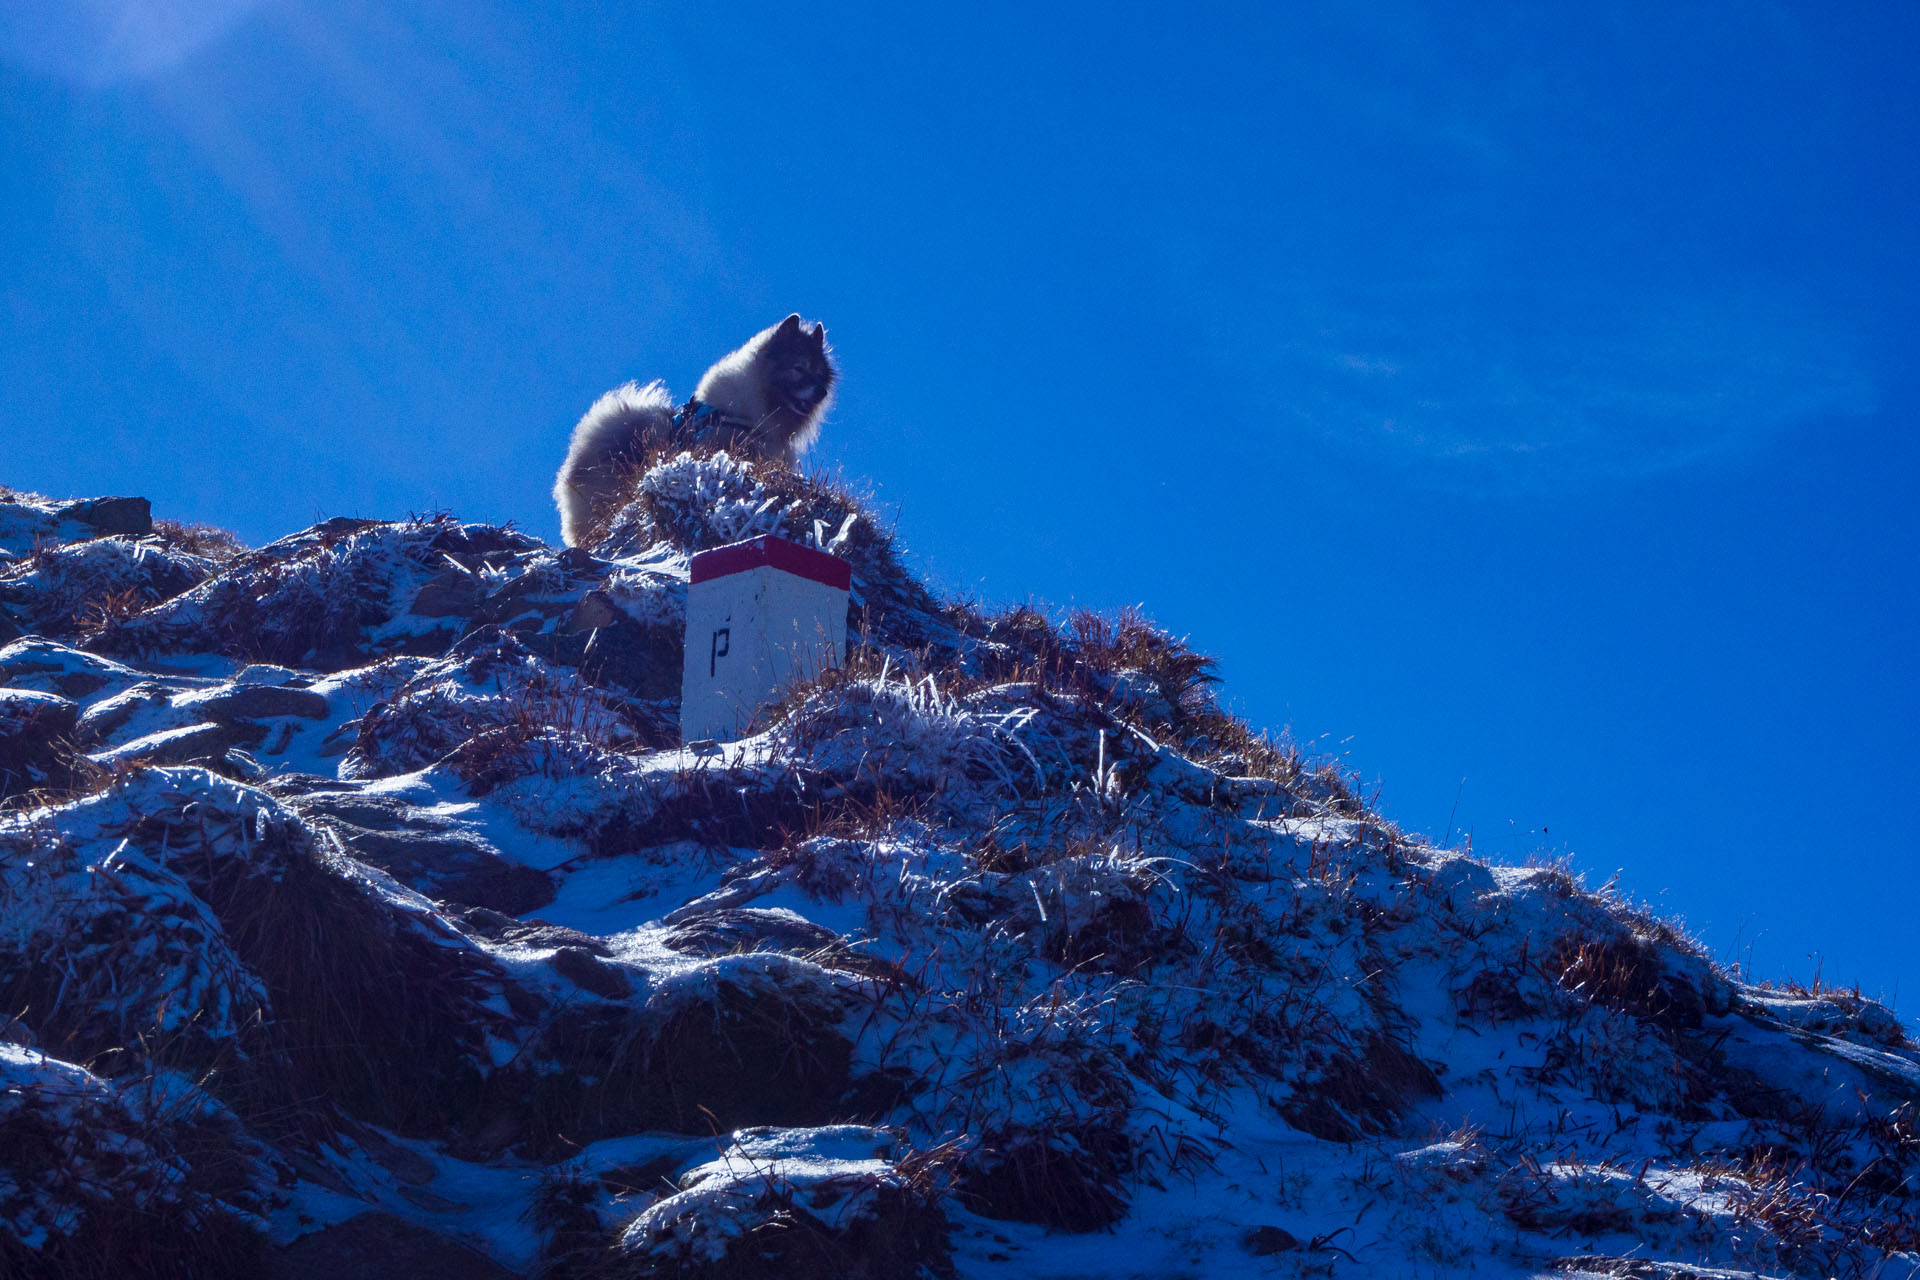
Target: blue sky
[{"x": 1520, "y": 403}]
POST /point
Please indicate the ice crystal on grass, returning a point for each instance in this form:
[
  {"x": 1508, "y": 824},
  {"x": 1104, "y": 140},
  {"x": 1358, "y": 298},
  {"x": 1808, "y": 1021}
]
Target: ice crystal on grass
[
  {"x": 89, "y": 586},
  {"x": 326, "y": 598},
  {"x": 906, "y": 733},
  {"x": 96, "y": 1180},
  {"x": 490, "y": 700},
  {"x": 830, "y": 1203}
]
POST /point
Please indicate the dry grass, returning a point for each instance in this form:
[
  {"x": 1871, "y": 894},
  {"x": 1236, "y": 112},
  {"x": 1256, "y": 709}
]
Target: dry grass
[
  {"x": 564, "y": 1212},
  {"x": 309, "y": 599},
  {"x": 1067, "y": 1177},
  {"x": 137, "y": 1196},
  {"x": 211, "y": 541},
  {"x": 1624, "y": 973},
  {"x": 97, "y": 613},
  {"x": 812, "y": 508},
  {"x": 1362, "y": 1090},
  {"x": 766, "y": 1053},
  {"x": 495, "y": 712},
  {"x": 1786, "y": 1212},
  {"x": 83, "y": 589},
  {"x": 375, "y": 1016},
  {"x": 1143, "y": 676},
  {"x": 370, "y": 1009}
]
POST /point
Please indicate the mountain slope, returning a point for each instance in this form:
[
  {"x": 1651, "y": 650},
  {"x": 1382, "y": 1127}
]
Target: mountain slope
[{"x": 361, "y": 908}]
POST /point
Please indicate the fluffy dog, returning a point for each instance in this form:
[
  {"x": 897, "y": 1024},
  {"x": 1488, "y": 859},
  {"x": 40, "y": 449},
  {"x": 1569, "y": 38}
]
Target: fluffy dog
[{"x": 764, "y": 401}]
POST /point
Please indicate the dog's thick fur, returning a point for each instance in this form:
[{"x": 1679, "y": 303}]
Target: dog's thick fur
[
  {"x": 766, "y": 402},
  {"x": 608, "y": 447}
]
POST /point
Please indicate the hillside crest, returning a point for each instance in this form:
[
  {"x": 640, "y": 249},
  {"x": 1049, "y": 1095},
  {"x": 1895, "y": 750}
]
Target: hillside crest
[{"x": 363, "y": 911}]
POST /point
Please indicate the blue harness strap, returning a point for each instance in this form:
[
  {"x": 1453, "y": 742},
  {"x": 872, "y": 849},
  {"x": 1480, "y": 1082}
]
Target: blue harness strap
[{"x": 695, "y": 418}]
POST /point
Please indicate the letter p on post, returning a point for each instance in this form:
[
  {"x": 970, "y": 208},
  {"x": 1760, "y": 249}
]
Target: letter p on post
[{"x": 761, "y": 614}]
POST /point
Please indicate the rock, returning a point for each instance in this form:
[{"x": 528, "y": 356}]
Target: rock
[
  {"x": 341, "y": 527},
  {"x": 238, "y": 764},
  {"x": 452, "y": 594},
  {"x": 407, "y": 1165},
  {"x": 194, "y": 744},
  {"x": 78, "y": 684},
  {"x": 1264, "y": 1242},
  {"x": 787, "y": 1205},
  {"x": 427, "y": 854},
  {"x": 590, "y": 973},
  {"x": 484, "y": 922},
  {"x": 258, "y": 702},
  {"x": 1461, "y": 880},
  {"x": 562, "y": 617},
  {"x": 380, "y": 1246},
  {"x": 533, "y": 596},
  {"x": 372, "y": 812},
  {"x": 271, "y": 673},
  {"x": 644, "y": 661},
  {"x": 595, "y": 610},
  {"x": 301, "y": 784},
  {"x": 133, "y": 516},
  {"x": 610, "y": 648},
  {"x": 729, "y": 930},
  {"x": 452, "y": 867},
  {"x": 35, "y": 730},
  {"x": 340, "y": 740},
  {"x": 38, "y": 663},
  {"x": 541, "y": 934},
  {"x": 109, "y": 715}
]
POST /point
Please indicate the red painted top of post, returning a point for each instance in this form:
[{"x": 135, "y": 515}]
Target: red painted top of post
[{"x": 777, "y": 553}]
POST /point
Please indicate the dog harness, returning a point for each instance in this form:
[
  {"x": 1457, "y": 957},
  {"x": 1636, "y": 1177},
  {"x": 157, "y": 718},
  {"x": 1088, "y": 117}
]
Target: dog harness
[{"x": 696, "y": 419}]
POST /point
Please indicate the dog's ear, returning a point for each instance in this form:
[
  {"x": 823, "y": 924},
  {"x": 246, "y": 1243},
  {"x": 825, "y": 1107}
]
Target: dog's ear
[
  {"x": 820, "y": 336},
  {"x": 790, "y": 327}
]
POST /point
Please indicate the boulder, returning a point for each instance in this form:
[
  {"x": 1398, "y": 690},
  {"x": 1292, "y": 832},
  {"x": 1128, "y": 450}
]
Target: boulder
[
  {"x": 590, "y": 973},
  {"x": 453, "y": 593},
  {"x": 729, "y": 930},
  {"x": 109, "y": 715},
  {"x": 796, "y": 1204},
  {"x": 195, "y": 744},
  {"x": 380, "y": 1246},
  {"x": 36, "y": 731},
  {"x": 258, "y": 702},
  {"x": 428, "y": 854},
  {"x": 131, "y": 516},
  {"x": 48, "y": 665}
]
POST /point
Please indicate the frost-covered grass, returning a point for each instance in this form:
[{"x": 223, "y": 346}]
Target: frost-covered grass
[
  {"x": 99, "y": 1179},
  {"x": 1002, "y": 950}
]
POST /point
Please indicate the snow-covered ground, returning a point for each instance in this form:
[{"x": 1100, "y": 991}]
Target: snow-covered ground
[{"x": 357, "y": 889}]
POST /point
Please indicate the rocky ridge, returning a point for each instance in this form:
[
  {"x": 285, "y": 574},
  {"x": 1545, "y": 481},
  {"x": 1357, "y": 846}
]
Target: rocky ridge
[{"x": 362, "y": 911}]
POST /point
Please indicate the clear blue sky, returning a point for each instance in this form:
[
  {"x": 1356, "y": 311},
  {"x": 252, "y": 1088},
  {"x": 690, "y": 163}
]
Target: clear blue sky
[{"x": 1524, "y": 398}]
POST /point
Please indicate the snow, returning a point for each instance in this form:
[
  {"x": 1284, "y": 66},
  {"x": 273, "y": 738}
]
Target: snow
[{"x": 1104, "y": 996}]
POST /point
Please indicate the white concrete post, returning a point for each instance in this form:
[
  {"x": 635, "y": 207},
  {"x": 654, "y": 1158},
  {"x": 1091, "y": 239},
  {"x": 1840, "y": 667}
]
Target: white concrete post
[{"x": 760, "y": 615}]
